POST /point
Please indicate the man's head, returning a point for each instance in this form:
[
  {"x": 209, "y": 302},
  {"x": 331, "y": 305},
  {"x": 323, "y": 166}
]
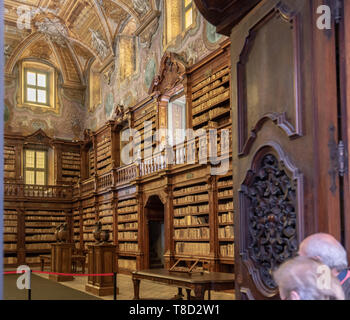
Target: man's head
[
  {"x": 302, "y": 278},
  {"x": 326, "y": 248}
]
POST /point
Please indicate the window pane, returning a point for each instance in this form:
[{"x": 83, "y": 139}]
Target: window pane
[
  {"x": 31, "y": 94},
  {"x": 40, "y": 178},
  {"x": 188, "y": 18},
  {"x": 187, "y": 3},
  {"x": 42, "y": 80},
  {"x": 29, "y": 159},
  {"x": 42, "y": 96},
  {"x": 31, "y": 78},
  {"x": 40, "y": 159},
  {"x": 29, "y": 177}
]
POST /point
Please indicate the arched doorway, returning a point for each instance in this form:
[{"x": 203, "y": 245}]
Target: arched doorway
[{"x": 154, "y": 215}]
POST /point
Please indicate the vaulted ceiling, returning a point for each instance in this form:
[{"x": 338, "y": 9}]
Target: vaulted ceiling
[{"x": 71, "y": 34}]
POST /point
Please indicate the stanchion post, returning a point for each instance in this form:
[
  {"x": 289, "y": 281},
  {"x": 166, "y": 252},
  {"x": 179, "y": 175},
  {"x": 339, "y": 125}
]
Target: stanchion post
[
  {"x": 30, "y": 286},
  {"x": 114, "y": 285}
]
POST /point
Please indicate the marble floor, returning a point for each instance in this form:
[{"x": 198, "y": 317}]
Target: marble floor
[{"x": 148, "y": 289}]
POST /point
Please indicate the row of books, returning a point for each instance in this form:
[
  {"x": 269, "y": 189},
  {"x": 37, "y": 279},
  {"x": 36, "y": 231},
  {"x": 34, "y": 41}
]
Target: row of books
[
  {"x": 42, "y": 224},
  {"x": 192, "y": 248},
  {"x": 71, "y": 155},
  {"x": 190, "y": 220},
  {"x": 209, "y": 87},
  {"x": 108, "y": 219},
  {"x": 126, "y": 217},
  {"x": 215, "y": 76},
  {"x": 128, "y": 246},
  {"x": 41, "y": 237},
  {"x": 193, "y": 189},
  {"x": 226, "y": 206},
  {"x": 10, "y": 237},
  {"x": 124, "y": 203},
  {"x": 206, "y": 96},
  {"x": 10, "y": 260},
  {"x": 225, "y": 183},
  {"x": 129, "y": 264},
  {"x": 226, "y": 217},
  {"x": 130, "y": 225},
  {"x": 227, "y": 250},
  {"x": 192, "y": 233},
  {"x": 45, "y": 218},
  {"x": 39, "y": 230},
  {"x": 191, "y": 209},
  {"x": 10, "y": 216},
  {"x": 127, "y": 209},
  {"x": 103, "y": 140},
  {"x": 127, "y": 235},
  {"x": 194, "y": 198},
  {"x": 225, "y": 193},
  {"x": 225, "y": 232},
  {"x": 10, "y": 223},
  {"x": 37, "y": 246},
  {"x": 105, "y": 206}
]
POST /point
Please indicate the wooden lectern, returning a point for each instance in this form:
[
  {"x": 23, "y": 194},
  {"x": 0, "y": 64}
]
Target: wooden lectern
[
  {"x": 101, "y": 259},
  {"x": 61, "y": 261}
]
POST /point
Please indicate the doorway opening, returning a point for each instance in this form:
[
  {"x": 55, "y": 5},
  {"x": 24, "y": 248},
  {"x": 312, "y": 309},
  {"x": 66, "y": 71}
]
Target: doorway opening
[{"x": 155, "y": 231}]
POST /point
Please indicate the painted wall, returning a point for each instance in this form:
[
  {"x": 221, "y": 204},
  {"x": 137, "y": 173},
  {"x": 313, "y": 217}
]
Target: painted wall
[
  {"x": 193, "y": 46},
  {"x": 69, "y": 123}
]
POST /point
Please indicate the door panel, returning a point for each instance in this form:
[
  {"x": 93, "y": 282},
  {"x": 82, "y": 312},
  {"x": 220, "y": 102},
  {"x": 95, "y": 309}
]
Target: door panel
[{"x": 285, "y": 116}]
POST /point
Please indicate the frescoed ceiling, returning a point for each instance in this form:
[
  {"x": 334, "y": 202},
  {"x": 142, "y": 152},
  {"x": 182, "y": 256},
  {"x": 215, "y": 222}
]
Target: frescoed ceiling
[{"x": 69, "y": 34}]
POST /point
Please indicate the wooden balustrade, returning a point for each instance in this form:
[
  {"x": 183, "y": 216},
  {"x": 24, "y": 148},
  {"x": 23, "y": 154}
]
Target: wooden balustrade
[
  {"x": 37, "y": 191},
  {"x": 189, "y": 152}
]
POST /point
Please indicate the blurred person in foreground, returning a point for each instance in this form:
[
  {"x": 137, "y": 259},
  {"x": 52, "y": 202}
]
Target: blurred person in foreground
[
  {"x": 303, "y": 278},
  {"x": 328, "y": 250}
]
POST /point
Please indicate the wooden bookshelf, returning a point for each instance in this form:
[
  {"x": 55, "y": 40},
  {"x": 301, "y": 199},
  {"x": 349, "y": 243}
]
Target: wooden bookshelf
[
  {"x": 70, "y": 166},
  {"x": 10, "y": 237},
  {"x": 225, "y": 218},
  {"x": 89, "y": 221},
  {"x": 104, "y": 152},
  {"x": 127, "y": 232},
  {"x": 9, "y": 162},
  {"x": 211, "y": 99},
  {"x": 40, "y": 227},
  {"x": 191, "y": 219},
  {"x": 106, "y": 216}
]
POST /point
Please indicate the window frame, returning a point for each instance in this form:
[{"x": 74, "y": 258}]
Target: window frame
[
  {"x": 35, "y": 169},
  {"x": 183, "y": 14},
  {"x": 36, "y": 87},
  {"x": 52, "y": 100}
]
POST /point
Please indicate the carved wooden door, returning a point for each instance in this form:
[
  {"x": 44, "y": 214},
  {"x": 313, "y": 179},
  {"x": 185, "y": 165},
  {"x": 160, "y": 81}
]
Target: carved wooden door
[{"x": 285, "y": 161}]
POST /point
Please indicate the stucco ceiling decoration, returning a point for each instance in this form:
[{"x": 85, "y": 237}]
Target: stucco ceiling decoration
[{"x": 83, "y": 30}]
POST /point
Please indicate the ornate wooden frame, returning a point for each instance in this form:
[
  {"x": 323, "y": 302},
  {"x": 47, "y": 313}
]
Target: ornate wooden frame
[
  {"x": 245, "y": 139},
  {"x": 297, "y": 178}
]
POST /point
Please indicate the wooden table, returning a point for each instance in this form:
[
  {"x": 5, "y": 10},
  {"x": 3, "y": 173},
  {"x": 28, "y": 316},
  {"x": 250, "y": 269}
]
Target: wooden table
[
  {"x": 198, "y": 282},
  {"x": 76, "y": 258}
]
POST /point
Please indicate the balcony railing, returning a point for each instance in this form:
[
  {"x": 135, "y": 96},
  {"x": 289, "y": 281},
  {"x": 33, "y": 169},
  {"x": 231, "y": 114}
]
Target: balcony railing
[{"x": 21, "y": 190}]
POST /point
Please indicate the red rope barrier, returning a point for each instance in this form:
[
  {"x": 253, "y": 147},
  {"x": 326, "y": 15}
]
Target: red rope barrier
[{"x": 65, "y": 274}]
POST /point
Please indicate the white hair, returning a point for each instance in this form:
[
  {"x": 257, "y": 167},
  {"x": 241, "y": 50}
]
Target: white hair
[
  {"x": 301, "y": 275},
  {"x": 326, "y": 248}
]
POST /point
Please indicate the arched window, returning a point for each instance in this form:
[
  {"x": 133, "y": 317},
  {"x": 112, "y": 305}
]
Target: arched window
[
  {"x": 38, "y": 83},
  {"x": 179, "y": 17}
]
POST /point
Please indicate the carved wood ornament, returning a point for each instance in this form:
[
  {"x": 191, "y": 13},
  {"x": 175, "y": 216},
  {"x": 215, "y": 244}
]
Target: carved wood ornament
[
  {"x": 172, "y": 72},
  {"x": 271, "y": 203}
]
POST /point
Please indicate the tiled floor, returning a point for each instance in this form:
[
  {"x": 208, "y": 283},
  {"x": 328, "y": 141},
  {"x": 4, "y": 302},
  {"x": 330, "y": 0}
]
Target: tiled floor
[{"x": 148, "y": 289}]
